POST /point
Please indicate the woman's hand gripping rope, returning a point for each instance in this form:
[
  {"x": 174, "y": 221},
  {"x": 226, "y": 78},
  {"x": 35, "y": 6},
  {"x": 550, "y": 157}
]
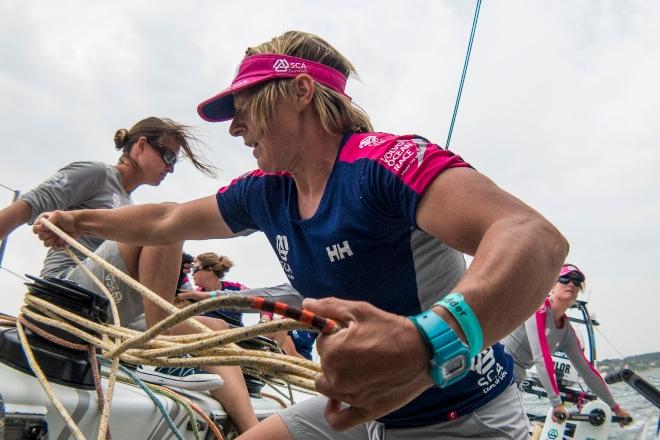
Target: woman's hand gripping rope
[{"x": 375, "y": 365}]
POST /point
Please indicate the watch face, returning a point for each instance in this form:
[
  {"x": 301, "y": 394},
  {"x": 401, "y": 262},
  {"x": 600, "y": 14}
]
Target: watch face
[{"x": 454, "y": 367}]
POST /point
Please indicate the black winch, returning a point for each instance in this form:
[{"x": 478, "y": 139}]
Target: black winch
[{"x": 60, "y": 364}]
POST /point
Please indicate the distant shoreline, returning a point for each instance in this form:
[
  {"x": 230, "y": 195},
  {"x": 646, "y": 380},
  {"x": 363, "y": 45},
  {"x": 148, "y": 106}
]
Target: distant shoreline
[{"x": 639, "y": 362}]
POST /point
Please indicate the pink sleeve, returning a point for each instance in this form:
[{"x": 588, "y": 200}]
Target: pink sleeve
[{"x": 541, "y": 352}]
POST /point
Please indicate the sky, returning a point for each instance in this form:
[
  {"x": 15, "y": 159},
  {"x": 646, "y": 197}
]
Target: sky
[{"x": 560, "y": 108}]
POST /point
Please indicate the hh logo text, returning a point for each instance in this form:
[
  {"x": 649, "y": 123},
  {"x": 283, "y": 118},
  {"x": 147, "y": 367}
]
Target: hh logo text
[{"x": 339, "y": 251}]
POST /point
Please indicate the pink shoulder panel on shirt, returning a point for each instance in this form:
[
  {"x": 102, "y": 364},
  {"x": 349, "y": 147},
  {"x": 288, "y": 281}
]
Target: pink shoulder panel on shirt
[
  {"x": 255, "y": 173},
  {"x": 413, "y": 159}
]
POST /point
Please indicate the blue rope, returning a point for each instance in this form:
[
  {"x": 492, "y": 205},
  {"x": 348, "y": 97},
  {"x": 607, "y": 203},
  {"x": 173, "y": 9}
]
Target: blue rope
[
  {"x": 153, "y": 397},
  {"x": 465, "y": 66}
]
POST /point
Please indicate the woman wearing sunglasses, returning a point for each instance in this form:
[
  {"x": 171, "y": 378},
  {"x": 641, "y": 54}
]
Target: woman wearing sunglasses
[
  {"x": 149, "y": 151},
  {"x": 549, "y": 330},
  {"x": 208, "y": 271}
]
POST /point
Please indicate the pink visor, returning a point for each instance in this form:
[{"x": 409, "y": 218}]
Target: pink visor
[
  {"x": 569, "y": 269},
  {"x": 256, "y": 69}
]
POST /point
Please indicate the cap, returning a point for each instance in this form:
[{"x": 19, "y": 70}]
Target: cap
[
  {"x": 569, "y": 269},
  {"x": 256, "y": 69}
]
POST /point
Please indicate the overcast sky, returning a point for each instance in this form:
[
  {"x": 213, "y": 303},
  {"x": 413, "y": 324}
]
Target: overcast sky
[{"x": 561, "y": 108}]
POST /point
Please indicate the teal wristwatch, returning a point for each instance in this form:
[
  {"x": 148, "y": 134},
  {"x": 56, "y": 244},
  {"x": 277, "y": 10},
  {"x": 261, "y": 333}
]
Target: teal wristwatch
[{"x": 451, "y": 358}]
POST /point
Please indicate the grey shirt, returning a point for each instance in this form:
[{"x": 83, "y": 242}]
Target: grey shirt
[{"x": 79, "y": 185}]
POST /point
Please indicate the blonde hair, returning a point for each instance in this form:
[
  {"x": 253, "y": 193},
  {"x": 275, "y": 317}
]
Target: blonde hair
[
  {"x": 155, "y": 129},
  {"x": 336, "y": 112},
  {"x": 219, "y": 264}
]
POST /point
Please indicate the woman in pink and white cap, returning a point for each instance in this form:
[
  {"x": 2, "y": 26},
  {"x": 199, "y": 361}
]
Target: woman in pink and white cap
[
  {"x": 373, "y": 226},
  {"x": 549, "y": 330}
]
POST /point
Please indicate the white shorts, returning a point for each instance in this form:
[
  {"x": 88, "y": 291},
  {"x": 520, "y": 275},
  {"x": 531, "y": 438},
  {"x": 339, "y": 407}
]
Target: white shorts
[{"x": 502, "y": 418}]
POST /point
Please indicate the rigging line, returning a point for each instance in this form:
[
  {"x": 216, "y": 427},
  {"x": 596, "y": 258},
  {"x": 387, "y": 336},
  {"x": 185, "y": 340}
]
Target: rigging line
[
  {"x": 15, "y": 274},
  {"x": 609, "y": 342},
  {"x": 465, "y": 66},
  {"x": 10, "y": 189}
]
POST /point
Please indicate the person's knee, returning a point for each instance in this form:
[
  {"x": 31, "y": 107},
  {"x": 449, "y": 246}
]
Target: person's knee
[{"x": 161, "y": 259}]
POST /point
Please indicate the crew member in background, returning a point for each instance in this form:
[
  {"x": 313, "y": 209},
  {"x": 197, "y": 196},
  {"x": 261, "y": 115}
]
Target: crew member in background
[{"x": 550, "y": 330}]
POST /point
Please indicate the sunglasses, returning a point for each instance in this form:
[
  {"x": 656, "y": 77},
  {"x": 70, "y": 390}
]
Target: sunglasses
[
  {"x": 194, "y": 269},
  {"x": 169, "y": 157},
  {"x": 565, "y": 280}
]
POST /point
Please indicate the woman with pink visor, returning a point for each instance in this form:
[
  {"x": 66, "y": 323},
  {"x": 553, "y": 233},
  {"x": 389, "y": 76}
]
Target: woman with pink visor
[
  {"x": 371, "y": 228},
  {"x": 549, "y": 330}
]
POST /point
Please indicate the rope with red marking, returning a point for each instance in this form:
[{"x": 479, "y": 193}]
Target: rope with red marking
[{"x": 323, "y": 325}]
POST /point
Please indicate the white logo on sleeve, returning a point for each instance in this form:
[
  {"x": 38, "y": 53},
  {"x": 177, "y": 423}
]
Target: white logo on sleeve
[
  {"x": 339, "y": 251},
  {"x": 282, "y": 246},
  {"x": 401, "y": 156},
  {"x": 370, "y": 141},
  {"x": 116, "y": 200},
  {"x": 421, "y": 149}
]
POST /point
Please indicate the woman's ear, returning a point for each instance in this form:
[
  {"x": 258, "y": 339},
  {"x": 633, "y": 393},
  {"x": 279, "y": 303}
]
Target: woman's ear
[
  {"x": 139, "y": 146},
  {"x": 304, "y": 90}
]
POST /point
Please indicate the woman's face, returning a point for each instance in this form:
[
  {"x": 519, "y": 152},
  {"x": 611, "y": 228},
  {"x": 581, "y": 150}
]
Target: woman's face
[
  {"x": 204, "y": 277},
  {"x": 152, "y": 158},
  {"x": 278, "y": 149},
  {"x": 567, "y": 292}
]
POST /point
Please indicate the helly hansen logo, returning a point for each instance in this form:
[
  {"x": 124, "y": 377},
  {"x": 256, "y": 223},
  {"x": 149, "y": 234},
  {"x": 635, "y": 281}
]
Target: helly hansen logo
[
  {"x": 339, "y": 251},
  {"x": 282, "y": 65}
]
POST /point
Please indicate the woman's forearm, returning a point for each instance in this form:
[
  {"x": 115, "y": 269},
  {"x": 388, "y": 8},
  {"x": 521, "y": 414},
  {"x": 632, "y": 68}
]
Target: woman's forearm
[
  {"x": 13, "y": 216},
  {"x": 511, "y": 273},
  {"x": 148, "y": 224}
]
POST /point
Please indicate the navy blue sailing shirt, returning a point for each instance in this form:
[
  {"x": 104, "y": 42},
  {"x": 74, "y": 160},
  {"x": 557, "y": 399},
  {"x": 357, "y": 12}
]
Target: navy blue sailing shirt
[{"x": 363, "y": 243}]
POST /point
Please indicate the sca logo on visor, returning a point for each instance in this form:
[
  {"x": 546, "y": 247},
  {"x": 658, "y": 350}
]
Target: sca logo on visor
[{"x": 283, "y": 65}]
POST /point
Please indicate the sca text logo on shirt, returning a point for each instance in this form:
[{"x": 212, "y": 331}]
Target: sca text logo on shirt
[
  {"x": 282, "y": 246},
  {"x": 282, "y": 65},
  {"x": 491, "y": 372},
  {"x": 339, "y": 251}
]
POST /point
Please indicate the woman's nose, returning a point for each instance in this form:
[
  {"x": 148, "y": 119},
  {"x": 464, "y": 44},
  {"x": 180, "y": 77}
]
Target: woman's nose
[{"x": 236, "y": 128}]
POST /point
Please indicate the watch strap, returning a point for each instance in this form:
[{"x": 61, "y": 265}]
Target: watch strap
[{"x": 459, "y": 308}]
